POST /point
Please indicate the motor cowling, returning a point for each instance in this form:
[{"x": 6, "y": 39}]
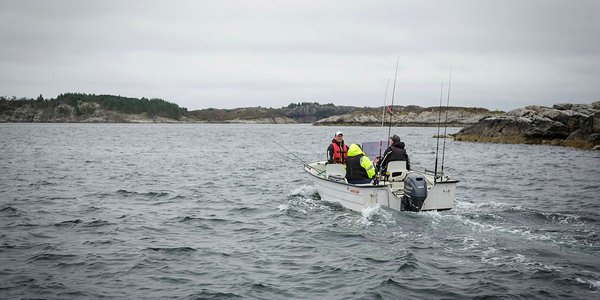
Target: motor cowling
[{"x": 415, "y": 192}]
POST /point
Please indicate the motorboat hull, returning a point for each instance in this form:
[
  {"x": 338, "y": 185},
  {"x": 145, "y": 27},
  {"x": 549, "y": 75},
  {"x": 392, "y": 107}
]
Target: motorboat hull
[{"x": 440, "y": 193}]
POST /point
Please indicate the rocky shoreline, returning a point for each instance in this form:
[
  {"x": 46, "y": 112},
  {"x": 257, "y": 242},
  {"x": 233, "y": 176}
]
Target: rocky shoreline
[
  {"x": 429, "y": 117},
  {"x": 565, "y": 124},
  {"x": 67, "y": 114},
  {"x": 84, "y": 108}
]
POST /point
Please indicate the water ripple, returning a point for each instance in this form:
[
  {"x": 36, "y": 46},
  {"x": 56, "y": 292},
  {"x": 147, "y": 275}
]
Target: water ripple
[{"x": 179, "y": 211}]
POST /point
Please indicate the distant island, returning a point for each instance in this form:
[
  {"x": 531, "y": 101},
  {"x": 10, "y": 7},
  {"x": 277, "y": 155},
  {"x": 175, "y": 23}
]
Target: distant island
[
  {"x": 574, "y": 125},
  {"x": 86, "y": 108},
  {"x": 90, "y": 108}
]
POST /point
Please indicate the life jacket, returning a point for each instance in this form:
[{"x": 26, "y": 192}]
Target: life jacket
[
  {"x": 354, "y": 170},
  {"x": 358, "y": 165},
  {"x": 339, "y": 154}
]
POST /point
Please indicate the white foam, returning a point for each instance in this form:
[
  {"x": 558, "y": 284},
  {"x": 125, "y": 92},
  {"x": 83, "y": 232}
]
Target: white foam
[
  {"x": 300, "y": 200},
  {"x": 481, "y": 227},
  {"x": 520, "y": 258},
  {"x": 594, "y": 284},
  {"x": 368, "y": 214},
  {"x": 562, "y": 219},
  {"x": 469, "y": 243},
  {"x": 303, "y": 190},
  {"x": 496, "y": 206},
  {"x": 376, "y": 213},
  {"x": 300, "y": 197}
]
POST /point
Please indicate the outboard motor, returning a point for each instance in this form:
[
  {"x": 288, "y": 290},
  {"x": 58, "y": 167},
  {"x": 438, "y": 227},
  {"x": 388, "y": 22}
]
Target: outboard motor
[{"x": 415, "y": 192}]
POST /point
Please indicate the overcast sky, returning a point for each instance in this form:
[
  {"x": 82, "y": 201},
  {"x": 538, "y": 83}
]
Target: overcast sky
[{"x": 225, "y": 54}]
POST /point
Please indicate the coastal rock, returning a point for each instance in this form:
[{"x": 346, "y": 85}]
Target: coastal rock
[
  {"x": 311, "y": 112},
  {"x": 533, "y": 127},
  {"x": 273, "y": 120},
  {"x": 591, "y": 124},
  {"x": 422, "y": 117},
  {"x": 569, "y": 118},
  {"x": 594, "y": 138},
  {"x": 576, "y": 125},
  {"x": 585, "y": 109},
  {"x": 562, "y": 106},
  {"x": 521, "y": 112}
]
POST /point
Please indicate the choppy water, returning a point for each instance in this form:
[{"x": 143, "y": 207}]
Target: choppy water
[{"x": 219, "y": 211}]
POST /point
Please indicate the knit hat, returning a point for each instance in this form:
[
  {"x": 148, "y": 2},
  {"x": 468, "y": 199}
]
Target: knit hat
[
  {"x": 395, "y": 138},
  {"x": 338, "y": 133}
]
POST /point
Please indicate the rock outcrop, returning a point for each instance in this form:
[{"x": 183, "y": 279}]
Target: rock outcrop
[
  {"x": 312, "y": 112},
  {"x": 454, "y": 116},
  {"x": 85, "y": 113},
  {"x": 564, "y": 124},
  {"x": 272, "y": 120}
]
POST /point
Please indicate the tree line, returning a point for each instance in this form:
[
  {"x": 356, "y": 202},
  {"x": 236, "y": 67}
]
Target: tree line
[{"x": 152, "y": 107}]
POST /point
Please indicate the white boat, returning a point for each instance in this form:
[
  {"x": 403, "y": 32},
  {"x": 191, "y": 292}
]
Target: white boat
[{"x": 402, "y": 190}]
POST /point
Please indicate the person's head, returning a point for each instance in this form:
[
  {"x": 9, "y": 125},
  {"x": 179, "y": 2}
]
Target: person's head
[
  {"x": 339, "y": 137},
  {"x": 394, "y": 139}
]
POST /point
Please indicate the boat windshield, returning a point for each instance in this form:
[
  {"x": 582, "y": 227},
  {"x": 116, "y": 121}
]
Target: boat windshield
[{"x": 373, "y": 149}]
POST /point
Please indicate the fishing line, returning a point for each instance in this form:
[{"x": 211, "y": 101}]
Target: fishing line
[
  {"x": 383, "y": 115},
  {"x": 376, "y": 181},
  {"x": 393, "y": 95},
  {"x": 446, "y": 120},
  {"x": 291, "y": 153},
  {"x": 437, "y": 147},
  {"x": 286, "y": 150}
]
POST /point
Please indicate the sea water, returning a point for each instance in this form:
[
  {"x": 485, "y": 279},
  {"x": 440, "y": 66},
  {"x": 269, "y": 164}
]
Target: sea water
[{"x": 226, "y": 211}]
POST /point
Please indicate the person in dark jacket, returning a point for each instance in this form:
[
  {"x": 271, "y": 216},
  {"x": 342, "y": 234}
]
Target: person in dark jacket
[
  {"x": 337, "y": 152},
  {"x": 394, "y": 152},
  {"x": 359, "y": 168}
]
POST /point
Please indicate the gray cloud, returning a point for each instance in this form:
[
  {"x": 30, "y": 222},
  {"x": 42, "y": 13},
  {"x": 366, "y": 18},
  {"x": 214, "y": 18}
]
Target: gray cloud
[{"x": 505, "y": 54}]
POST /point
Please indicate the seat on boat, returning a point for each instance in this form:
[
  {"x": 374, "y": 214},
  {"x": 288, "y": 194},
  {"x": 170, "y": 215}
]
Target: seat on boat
[
  {"x": 397, "y": 170},
  {"x": 335, "y": 171}
]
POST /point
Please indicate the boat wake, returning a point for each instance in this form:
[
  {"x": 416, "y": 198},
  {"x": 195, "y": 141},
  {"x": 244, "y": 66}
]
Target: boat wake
[
  {"x": 376, "y": 215},
  {"x": 305, "y": 200},
  {"x": 591, "y": 283},
  {"x": 307, "y": 191},
  {"x": 520, "y": 223},
  {"x": 301, "y": 201}
]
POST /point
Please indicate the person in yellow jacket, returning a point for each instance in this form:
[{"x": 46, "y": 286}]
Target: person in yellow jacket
[{"x": 359, "y": 168}]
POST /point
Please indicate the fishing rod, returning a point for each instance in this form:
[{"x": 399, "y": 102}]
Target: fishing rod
[
  {"x": 376, "y": 181},
  {"x": 391, "y": 112},
  {"x": 383, "y": 114},
  {"x": 437, "y": 147},
  {"x": 446, "y": 120},
  {"x": 393, "y": 94},
  {"x": 288, "y": 151}
]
